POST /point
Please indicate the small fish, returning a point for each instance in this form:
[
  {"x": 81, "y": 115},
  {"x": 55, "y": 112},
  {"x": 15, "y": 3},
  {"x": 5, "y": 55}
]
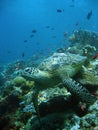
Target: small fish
[
  {"x": 31, "y": 35},
  {"x": 89, "y": 15},
  {"x": 65, "y": 34},
  {"x": 23, "y": 54},
  {"x": 72, "y": 5},
  {"x": 47, "y": 26},
  {"x": 8, "y": 52},
  {"x": 77, "y": 23},
  {"x": 53, "y": 36},
  {"x": 25, "y": 41},
  {"x": 52, "y": 28},
  {"x": 34, "y": 31},
  {"x": 59, "y": 10},
  {"x": 95, "y": 56}
]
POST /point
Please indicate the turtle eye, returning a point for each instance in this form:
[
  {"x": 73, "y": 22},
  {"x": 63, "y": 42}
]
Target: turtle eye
[{"x": 28, "y": 70}]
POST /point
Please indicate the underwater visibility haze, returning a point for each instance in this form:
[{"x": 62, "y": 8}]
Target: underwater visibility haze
[
  {"x": 48, "y": 65},
  {"x": 50, "y": 19}
]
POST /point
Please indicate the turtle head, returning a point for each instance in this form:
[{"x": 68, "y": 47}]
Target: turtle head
[{"x": 33, "y": 73}]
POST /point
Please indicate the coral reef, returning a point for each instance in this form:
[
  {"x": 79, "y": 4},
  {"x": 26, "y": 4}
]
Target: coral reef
[
  {"x": 84, "y": 42},
  {"x": 84, "y": 37},
  {"x": 60, "y": 101}
]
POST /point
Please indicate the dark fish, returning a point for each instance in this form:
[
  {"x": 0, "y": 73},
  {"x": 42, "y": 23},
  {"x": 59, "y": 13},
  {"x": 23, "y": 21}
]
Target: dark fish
[
  {"x": 25, "y": 40},
  {"x": 23, "y": 54},
  {"x": 53, "y": 36},
  {"x": 34, "y": 31},
  {"x": 52, "y": 28},
  {"x": 8, "y": 52},
  {"x": 65, "y": 34},
  {"x": 47, "y": 26},
  {"x": 59, "y": 10},
  {"x": 89, "y": 15},
  {"x": 77, "y": 23},
  {"x": 72, "y": 5},
  {"x": 31, "y": 35}
]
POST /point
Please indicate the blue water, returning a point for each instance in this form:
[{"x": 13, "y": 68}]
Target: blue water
[{"x": 19, "y": 17}]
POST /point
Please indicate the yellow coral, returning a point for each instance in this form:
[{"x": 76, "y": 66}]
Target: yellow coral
[
  {"x": 29, "y": 83},
  {"x": 19, "y": 81}
]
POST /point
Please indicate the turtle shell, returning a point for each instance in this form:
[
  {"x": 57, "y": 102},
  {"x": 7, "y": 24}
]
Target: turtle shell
[{"x": 60, "y": 59}]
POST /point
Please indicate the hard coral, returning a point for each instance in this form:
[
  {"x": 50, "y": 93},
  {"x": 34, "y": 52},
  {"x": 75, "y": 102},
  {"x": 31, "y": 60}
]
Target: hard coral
[
  {"x": 19, "y": 81},
  {"x": 84, "y": 37},
  {"x": 29, "y": 83}
]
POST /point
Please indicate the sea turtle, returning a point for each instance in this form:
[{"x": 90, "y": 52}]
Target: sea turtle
[{"x": 60, "y": 68}]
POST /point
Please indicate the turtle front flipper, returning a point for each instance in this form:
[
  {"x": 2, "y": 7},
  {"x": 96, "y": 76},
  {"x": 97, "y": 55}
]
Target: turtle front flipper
[
  {"x": 78, "y": 90},
  {"x": 35, "y": 102}
]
